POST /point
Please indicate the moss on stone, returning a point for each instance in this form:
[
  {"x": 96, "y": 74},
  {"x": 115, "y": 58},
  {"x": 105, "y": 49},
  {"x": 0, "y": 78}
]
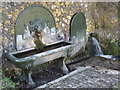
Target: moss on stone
[{"x": 110, "y": 46}]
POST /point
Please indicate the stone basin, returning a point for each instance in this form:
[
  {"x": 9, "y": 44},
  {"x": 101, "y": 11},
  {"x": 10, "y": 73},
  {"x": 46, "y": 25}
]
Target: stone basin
[{"x": 29, "y": 58}]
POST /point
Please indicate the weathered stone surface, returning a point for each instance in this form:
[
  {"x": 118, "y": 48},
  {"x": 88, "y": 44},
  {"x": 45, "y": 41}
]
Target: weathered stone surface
[
  {"x": 62, "y": 12},
  {"x": 89, "y": 78}
]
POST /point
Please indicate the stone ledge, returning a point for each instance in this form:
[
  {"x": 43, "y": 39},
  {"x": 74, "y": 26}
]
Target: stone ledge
[
  {"x": 86, "y": 77},
  {"x": 64, "y": 77}
]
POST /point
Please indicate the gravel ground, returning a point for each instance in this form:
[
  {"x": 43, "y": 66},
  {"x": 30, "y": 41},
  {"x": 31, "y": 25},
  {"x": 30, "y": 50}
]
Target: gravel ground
[{"x": 92, "y": 77}]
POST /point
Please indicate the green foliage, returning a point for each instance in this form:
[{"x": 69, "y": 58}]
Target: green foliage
[
  {"x": 111, "y": 47},
  {"x": 107, "y": 27},
  {"x": 98, "y": 4},
  {"x": 7, "y": 83},
  {"x": 116, "y": 87},
  {"x": 114, "y": 42},
  {"x": 96, "y": 25}
]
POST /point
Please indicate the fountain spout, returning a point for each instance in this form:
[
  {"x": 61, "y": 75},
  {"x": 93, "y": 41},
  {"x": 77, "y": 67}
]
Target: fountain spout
[{"x": 94, "y": 46}]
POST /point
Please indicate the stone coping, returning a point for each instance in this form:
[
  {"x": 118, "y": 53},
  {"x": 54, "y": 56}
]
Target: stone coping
[
  {"x": 64, "y": 77},
  {"x": 86, "y": 77}
]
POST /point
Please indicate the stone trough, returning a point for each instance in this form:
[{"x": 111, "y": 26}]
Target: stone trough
[{"x": 37, "y": 23}]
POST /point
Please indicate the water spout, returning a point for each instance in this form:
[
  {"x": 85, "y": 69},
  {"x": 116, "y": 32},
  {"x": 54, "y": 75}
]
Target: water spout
[
  {"x": 94, "y": 47},
  {"x": 94, "y": 50}
]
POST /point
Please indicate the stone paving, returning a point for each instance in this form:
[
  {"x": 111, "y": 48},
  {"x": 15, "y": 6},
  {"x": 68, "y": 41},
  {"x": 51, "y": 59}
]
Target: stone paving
[{"x": 87, "y": 77}]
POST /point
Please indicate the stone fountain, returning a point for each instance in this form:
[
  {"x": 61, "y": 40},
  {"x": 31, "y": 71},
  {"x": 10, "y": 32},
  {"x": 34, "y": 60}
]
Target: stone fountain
[{"x": 37, "y": 42}]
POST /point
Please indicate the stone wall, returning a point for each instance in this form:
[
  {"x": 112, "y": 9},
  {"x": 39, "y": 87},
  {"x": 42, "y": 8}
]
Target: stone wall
[{"x": 108, "y": 28}]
